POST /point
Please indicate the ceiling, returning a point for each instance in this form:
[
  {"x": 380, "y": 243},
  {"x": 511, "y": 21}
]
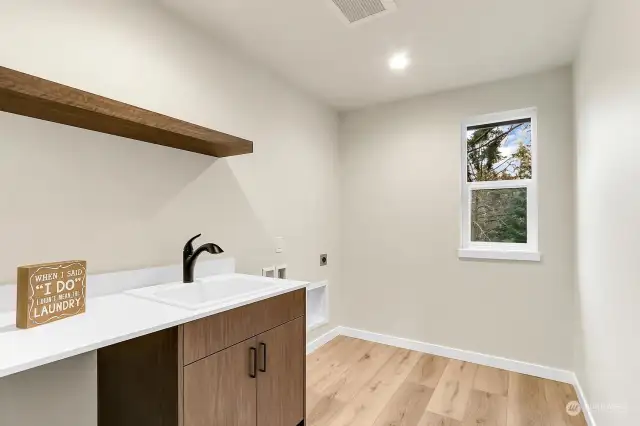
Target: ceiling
[{"x": 451, "y": 43}]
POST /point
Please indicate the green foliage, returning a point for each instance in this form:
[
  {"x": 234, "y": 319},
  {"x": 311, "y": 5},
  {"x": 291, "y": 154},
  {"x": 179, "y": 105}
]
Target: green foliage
[
  {"x": 485, "y": 162},
  {"x": 498, "y": 215}
]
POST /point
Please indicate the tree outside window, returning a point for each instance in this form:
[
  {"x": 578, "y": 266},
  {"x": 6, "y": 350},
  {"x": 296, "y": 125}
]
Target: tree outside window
[{"x": 499, "y": 186}]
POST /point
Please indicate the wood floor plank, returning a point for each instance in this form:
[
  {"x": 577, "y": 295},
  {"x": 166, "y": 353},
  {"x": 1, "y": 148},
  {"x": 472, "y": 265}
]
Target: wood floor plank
[
  {"x": 454, "y": 389},
  {"x": 433, "y": 419},
  {"x": 326, "y": 352},
  {"x": 344, "y": 389},
  {"x": 336, "y": 364},
  {"x": 358, "y": 383},
  {"x": 486, "y": 409},
  {"x": 367, "y": 405},
  {"x": 329, "y": 355},
  {"x": 527, "y": 401},
  {"x": 406, "y": 407},
  {"x": 428, "y": 371},
  {"x": 558, "y": 395},
  {"x": 492, "y": 380},
  {"x": 325, "y": 407},
  {"x": 349, "y": 354}
]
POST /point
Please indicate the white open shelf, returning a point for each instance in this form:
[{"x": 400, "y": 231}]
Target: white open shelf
[{"x": 317, "y": 305}]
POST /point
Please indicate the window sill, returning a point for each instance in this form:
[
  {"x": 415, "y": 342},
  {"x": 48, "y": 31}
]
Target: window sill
[{"x": 467, "y": 253}]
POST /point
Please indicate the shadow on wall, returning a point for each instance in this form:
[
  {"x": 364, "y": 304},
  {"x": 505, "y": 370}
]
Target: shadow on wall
[
  {"x": 75, "y": 377},
  {"x": 120, "y": 204}
]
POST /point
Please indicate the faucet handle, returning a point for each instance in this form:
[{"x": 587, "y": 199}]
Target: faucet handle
[{"x": 188, "y": 248}]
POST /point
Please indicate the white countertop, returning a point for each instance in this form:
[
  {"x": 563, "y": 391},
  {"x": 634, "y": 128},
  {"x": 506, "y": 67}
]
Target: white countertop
[{"x": 108, "y": 320}]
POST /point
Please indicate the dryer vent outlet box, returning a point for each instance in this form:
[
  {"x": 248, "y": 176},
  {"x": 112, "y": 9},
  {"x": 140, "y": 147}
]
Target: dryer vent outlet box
[{"x": 358, "y": 11}]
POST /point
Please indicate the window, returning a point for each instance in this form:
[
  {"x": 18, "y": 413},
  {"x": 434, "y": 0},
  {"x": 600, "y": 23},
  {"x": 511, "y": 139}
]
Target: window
[{"x": 499, "y": 191}]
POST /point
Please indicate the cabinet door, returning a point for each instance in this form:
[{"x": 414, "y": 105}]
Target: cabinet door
[
  {"x": 281, "y": 364},
  {"x": 219, "y": 390}
]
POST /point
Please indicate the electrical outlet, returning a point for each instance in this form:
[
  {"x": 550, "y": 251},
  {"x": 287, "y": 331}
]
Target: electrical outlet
[{"x": 323, "y": 260}]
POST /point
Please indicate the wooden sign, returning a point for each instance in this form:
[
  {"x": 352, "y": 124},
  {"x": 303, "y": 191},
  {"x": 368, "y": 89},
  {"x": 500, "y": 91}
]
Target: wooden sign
[{"x": 50, "y": 291}]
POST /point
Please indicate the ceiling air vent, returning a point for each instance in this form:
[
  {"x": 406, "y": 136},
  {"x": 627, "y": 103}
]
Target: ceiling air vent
[{"x": 357, "y": 11}]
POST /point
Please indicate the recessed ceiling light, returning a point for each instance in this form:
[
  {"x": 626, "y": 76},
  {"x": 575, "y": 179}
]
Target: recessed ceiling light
[{"x": 399, "y": 61}]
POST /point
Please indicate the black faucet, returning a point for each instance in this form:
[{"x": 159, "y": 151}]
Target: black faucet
[{"x": 189, "y": 257}]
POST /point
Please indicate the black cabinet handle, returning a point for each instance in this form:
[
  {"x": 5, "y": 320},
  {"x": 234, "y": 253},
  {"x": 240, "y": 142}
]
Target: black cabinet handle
[
  {"x": 253, "y": 360},
  {"x": 263, "y": 348}
]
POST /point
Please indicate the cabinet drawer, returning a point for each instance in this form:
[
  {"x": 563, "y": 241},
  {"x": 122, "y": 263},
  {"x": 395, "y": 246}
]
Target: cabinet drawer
[{"x": 212, "y": 334}]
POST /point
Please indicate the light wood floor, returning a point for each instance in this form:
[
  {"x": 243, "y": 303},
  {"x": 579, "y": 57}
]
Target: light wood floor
[{"x": 359, "y": 383}]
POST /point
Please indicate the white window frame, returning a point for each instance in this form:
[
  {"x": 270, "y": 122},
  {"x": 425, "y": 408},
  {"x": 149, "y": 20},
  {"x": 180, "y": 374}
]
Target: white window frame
[{"x": 500, "y": 251}]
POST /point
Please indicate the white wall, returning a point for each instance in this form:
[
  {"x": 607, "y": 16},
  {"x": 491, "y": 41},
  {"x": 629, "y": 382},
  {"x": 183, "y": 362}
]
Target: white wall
[
  {"x": 608, "y": 207},
  {"x": 400, "y": 224},
  {"x": 133, "y": 204}
]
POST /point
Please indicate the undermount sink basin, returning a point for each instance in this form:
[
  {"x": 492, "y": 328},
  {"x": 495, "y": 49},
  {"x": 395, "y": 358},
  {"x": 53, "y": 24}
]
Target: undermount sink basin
[{"x": 210, "y": 291}]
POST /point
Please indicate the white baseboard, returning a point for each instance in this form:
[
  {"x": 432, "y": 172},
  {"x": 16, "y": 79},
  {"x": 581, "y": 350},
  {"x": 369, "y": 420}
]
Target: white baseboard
[
  {"x": 541, "y": 371},
  {"x": 464, "y": 355},
  {"x": 325, "y": 338},
  {"x": 582, "y": 398}
]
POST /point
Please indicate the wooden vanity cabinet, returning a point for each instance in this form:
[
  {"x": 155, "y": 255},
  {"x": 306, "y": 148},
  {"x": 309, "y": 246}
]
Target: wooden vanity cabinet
[
  {"x": 221, "y": 388},
  {"x": 244, "y": 367}
]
